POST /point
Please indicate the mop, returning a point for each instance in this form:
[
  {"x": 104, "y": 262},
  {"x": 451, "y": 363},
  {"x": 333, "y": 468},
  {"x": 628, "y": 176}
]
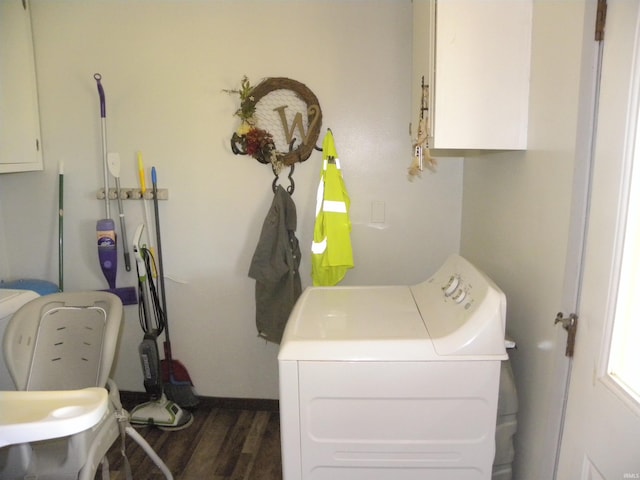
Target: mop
[
  {"x": 106, "y": 228},
  {"x": 159, "y": 411}
]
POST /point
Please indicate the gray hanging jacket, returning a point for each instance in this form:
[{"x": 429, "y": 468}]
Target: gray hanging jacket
[{"x": 275, "y": 265}]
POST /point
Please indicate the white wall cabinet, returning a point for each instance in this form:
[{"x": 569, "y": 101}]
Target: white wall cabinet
[
  {"x": 20, "y": 146},
  {"x": 475, "y": 58}
]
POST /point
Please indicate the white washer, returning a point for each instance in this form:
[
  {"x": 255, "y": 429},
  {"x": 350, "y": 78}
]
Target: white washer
[
  {"x": 395, "y": 382},
  {"x": 10, "y": 302}
]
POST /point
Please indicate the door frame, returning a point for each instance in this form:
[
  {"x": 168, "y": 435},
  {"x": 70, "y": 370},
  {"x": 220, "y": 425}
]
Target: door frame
[{"x": 580, "y": 202}]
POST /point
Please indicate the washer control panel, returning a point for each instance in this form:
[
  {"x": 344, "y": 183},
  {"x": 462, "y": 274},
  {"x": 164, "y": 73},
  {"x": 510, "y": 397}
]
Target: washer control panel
[
  {"x": 462, "y": 309},
  {"x": 457, "y": 290}
]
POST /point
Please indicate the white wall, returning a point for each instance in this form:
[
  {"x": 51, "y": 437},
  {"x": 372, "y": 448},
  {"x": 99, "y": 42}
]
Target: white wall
[
  {"x": 164, "y": 66},
  {"x": 517, "y": 213},
  {"x": 4, "y": 260}
]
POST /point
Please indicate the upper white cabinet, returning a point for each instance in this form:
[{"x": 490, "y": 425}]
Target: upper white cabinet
[
  {"x": 20, "y": 148},
  {"x": 474, "y": 55}
]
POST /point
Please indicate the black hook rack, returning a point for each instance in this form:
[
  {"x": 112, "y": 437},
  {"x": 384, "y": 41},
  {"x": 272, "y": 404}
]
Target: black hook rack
[
  {"x": 235, "y": 140},
  {"x": 292, "y": 184}
]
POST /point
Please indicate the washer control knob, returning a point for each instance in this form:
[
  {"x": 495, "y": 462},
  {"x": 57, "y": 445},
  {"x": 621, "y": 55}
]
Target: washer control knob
[
  {"x": 451, "y": 285},
  {"x": 459, "y": 296}
]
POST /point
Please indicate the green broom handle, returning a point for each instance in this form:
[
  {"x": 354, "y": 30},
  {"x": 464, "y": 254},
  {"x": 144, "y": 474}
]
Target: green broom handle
[{"x": 60, "y": 227}]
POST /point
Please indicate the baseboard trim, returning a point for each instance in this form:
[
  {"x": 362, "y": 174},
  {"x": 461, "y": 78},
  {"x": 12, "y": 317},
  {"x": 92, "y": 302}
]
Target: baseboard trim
[{"x": 131, "y": 399}]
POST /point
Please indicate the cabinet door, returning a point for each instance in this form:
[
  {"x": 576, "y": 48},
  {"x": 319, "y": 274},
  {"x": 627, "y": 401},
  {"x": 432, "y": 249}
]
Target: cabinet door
[
  {"x": 19, "y": 117},
  {"x": 477, "y": 59}
]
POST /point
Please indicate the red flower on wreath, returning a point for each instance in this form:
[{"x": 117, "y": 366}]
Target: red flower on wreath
[{"x": 259, "y": 143}]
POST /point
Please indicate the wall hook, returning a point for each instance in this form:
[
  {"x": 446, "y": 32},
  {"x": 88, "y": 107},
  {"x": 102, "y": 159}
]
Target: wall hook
[{"x": 292, "y": 184}]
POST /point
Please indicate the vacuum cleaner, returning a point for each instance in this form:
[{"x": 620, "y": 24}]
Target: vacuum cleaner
[{"x": 159, "y": 411}]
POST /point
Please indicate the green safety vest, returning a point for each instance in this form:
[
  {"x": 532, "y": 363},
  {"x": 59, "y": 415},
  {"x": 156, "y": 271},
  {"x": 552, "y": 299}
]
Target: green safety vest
[{"x": 331, "y": 252}]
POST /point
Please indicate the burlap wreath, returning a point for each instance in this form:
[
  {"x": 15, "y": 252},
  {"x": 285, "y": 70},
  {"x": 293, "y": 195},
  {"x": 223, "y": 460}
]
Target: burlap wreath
[{"x": 303, "y": 150}]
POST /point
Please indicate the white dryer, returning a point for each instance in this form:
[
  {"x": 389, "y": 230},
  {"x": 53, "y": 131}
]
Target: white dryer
[
  {"x": 393, "y": 382},
  {"x": 10, "y": 301}
]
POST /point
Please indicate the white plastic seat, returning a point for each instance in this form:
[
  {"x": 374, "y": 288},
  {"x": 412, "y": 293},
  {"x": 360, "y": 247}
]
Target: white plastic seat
[{"x": 67, "y": 341}]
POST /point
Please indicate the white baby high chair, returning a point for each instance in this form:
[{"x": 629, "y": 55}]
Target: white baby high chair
[{"x": 66, "y": 342}]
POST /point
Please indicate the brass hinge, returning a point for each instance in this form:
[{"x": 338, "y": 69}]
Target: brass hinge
[
  {"x": 601, "y": 17},
  {"x": 570, "y": 324}
]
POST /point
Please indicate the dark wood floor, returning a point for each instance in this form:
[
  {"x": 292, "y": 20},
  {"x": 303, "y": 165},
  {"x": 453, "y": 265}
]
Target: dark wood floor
[{"x": 228, "y": 440}]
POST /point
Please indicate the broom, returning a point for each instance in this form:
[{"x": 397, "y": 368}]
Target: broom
[{"x": 175, "y": 378}]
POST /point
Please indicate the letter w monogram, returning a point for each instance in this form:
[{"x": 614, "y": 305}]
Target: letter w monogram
[{"x": 297, "y": 122}]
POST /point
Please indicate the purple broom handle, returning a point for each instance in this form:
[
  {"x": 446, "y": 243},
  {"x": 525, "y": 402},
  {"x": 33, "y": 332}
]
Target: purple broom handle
[{"x": 103, "y": 108}]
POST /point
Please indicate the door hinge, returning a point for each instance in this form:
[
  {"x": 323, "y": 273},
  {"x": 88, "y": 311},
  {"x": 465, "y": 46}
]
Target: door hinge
[
  {"x": 601, "y": 17},
  {"x": 570, "y": 324}
]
